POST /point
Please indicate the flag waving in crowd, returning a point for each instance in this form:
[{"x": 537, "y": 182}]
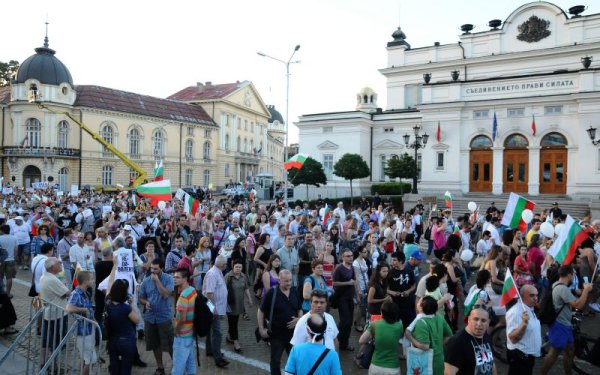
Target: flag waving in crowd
[
  {"x": 448, "y": 199},
  {"x": 159, "y": 171},
  {"x": 514, "y": 210},
  {"x": 563, "y": 250},
  {"x": 509, "y": 289},
  {"x": 157, "y": 191},
  {"x": 296, "y": 161}
]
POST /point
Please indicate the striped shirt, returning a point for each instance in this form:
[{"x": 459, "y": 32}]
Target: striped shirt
[{"x": 185, "y": 307}]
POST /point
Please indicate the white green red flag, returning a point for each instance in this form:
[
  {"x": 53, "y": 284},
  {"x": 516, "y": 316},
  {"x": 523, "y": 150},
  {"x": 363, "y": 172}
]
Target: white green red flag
[
  {"x": 77, "y": 270},
  {"x": 448, "y": 199},
  {"x": 326, "y": 214},
  {"x": 157, "y": 191},
  {"x": 514, "y": 210},
  {"x": 296, "y": 161},
  {"x": 159, "y": 171},
  {"x": 509, "y": 289},
  {"x": 190, "y": 205},
  {"x": 565, "y": 247}
]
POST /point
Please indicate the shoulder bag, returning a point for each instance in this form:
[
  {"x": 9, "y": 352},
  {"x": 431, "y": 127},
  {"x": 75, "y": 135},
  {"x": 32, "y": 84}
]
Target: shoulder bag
[
  {"x": 32, "y": 291},
  {"x": 420, "y": 361},
  {"x": 268, "y": 321},
  {"x": 319, "y": 360}
]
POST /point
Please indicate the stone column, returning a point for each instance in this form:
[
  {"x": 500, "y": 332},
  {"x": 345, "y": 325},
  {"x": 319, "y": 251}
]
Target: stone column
[
  {"x": 498, "y": 166},
  {"x": 534, "y": 170}
]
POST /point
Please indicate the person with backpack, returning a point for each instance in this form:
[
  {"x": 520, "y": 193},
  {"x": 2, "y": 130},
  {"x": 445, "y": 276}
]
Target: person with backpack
[
  {"x": 523, "y": 333},
  {"x": 560, "y": 333},
  {"x": 183, "y": 342}
]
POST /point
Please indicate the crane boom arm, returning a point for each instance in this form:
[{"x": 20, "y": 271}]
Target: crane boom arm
[{"x": 142, "y": 175}]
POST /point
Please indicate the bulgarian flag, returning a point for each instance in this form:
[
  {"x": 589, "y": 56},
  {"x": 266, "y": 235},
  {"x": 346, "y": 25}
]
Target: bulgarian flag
[
  {"x": 157, "y": 191},
  {"x": 509, "y": 290},
  {"x": 190, "y": 205},
  {"x": 438, "y": 134},
  {"x": 159, "y": 171},
  {"x": 514, "y": 210},
  {"x": 326, "y": 214},
  {"x": 296, "y": 161},
  {"x": 77, "y": 270},
  {"x": 448, "y": 199},
  {"x": 533, "y": 127},
  {"x": 564, "y": 248}
]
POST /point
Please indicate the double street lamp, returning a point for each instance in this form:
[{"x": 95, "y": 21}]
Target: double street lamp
[
  {"x": 419, "y": 142},
  {"x": 287, "y": 107}
]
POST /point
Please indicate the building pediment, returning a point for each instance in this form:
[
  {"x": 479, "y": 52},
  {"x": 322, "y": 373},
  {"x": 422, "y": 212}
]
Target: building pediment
[
  {"x": 387, "y": 144},
  {"x": 440, "y": 146},
  {"x": 328, "y": 145}
]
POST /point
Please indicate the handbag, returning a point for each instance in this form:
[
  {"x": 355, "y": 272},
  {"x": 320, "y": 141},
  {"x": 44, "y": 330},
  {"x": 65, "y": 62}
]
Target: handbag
[
  {"x": 230, "y": 295},
  {"x": 420, "y": 361},
  {"x": 319, "y": 360},
  {"x": 477, "y": 262},
  {"x": 32, "y": 291},
  {"x": 268, "y": 321}
]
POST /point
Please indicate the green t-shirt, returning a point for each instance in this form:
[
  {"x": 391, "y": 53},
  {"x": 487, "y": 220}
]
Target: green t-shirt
[
  {"x": 439, "y": 328},
  {"x": 386, "y": 343}
]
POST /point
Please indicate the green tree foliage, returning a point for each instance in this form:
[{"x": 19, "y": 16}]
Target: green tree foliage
[
  {"x": 401, "y": 167},
  {"x": 351, "y": 167},
  {"x": 7, "y": 70},
  {"x": 311, "y": 173}
]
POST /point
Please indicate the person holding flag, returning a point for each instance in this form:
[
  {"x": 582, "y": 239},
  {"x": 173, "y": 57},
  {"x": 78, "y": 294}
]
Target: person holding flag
[{"x": 523, "y": 332}]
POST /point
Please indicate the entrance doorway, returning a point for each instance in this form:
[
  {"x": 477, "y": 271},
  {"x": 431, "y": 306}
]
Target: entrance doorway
[
  {"x": 31, "y": 174},
  {"x": 516, "y": 164},
  {"x": 481, "y": 165},
  {"x": 553, "y": 164}
]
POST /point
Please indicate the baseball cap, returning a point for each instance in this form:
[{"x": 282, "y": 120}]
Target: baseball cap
[
  {"x": 127, "y": 227},
  {"x": 19, "y": 218},
  {"x": 417, "y": 255}
]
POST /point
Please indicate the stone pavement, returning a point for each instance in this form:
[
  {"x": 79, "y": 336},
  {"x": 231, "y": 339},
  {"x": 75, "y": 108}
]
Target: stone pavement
[{"x": 253, "y": 360}]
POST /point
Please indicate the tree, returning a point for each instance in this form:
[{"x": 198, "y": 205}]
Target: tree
[
  {"x": 311, "y": 173},
  {"x": 401, "y": 167},
  {"x": 351, "y": 167},
  {"x": 7, "y": 70}
]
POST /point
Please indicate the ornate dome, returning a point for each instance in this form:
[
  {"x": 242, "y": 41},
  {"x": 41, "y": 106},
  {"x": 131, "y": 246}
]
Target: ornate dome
[
  {"x": 275, "y": 115},
  {"x": 44, "y": 67}
]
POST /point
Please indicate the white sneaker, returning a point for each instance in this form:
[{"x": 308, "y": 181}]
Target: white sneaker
[{"x": 595, "y": 307}]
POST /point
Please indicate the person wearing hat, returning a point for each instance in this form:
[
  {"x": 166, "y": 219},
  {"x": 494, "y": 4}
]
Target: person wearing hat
[
  {"x": 492, "y": 209},
  {"x": 555, "y": 211},
  {"x": 413, "y": 264},
  {"x": 21, "y": 229}
]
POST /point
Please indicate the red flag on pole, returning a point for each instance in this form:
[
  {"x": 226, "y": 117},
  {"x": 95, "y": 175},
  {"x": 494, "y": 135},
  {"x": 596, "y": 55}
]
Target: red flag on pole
[
  {"x": 438, "y": 134},
  {"x": 533, "y": 127}
]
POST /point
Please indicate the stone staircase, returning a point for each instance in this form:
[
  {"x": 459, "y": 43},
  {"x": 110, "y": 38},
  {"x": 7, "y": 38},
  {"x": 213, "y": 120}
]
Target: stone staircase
[{"x": 577, "y": 209}]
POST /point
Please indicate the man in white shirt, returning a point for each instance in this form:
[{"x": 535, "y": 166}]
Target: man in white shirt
[
  {"x": 493, "y": 229},
  {"x": 318, "y": 303},
  {"x": 81, "y": 254},
  {"x": 20, "y": 229},
  {"x": 523, "y": 333},
  {"x": 484, "y": 244},
  {"x": 137, "y": 230}
]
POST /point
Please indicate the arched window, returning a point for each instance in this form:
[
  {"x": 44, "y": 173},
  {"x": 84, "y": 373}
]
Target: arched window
[
  {"x": 239, "y": 144},
  {"x": 33, "y": 129},
  {"x": 107, "y": 133},
  {"x": 481, "y": 141},
  {"x": 227, "y": 142},
  {"x": 63, "y": 179},
  {"x": 63, "y": 134},
  {"x": 107, "y": 175},
  {"x": 516, "y": 140},
  {"x": 189, "y": 149},
  {"x": 206, "y": 150},
  {"x": 134, "y": 143},
  {"x": 553, "y": 140},
  {"x": 189, "y": 174},
  {"x": 158, "y": 144}
]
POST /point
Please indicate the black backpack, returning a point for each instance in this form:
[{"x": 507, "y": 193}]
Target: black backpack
[
  {"x": 203, "y": 317},
  {"x": 547, "y": 313}
]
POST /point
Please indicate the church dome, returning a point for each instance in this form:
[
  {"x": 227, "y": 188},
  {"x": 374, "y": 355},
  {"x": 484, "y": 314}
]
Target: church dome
[
  {"x": 275, "y": 115},
  {"x": 44, "y": 67}
]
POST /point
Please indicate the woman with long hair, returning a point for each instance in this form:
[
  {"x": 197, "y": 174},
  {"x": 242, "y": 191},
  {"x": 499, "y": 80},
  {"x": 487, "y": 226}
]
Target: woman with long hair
[
  {"x": 522, "y": 268},
  {"x": 270, "y": 277},
  {"x": 495, "y": 263},
  {"x": 454, "y": 285},
  {"x": 377, "y": 292},
  {"x": 261, "y": 257},
  {"x": 203, "y": 255},
  {"x": 42, "y": 238},
  {"x": 239, "y": 253},
  {"x": 237, "y": 284},
  {"x": 361, "y": 270},
  {"x": 262, "y": 221},
  {"x": 312, "y": 282},
  {"x": 334, "y": 237},
  {"x": 328, "y": 263}
]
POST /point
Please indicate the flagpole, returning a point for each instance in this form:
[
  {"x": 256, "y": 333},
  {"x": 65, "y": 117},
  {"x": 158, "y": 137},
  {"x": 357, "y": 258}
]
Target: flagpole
[{"x": 595, "y": 269}]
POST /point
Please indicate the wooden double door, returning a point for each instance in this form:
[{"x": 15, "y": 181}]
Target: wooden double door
[
  {"x": 481, "y": 170},
  {"x": 516, "y": 170},
  {"x": 553, "y": 171}
]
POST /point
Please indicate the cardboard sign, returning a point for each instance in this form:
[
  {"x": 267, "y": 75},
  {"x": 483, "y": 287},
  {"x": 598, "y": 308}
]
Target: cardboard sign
[{"x": 74, "y": 190}]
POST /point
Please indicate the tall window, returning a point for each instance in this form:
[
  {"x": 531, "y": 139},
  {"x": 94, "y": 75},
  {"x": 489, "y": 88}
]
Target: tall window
[
  {"x": 188, "y": 177},
  {"x": 252, "y": 146},
  {"x": 107, "y": 133},
  {"x": 190, "y": 131},
  {"x": 245, "y": 144},
  {"x": 33, "y": 128},
  {"x": 207, "y": 133},
  {"x": 227, "y": 170},
  {"x": 206, "y": 150},
  {"x": 63, "y": 134},
  {"x": 328, "y": 165},
  {"x": 206, "y": 177},
  {"x": 227, "y": 142},
  {"x": 132, "y": 174},
  {"x": 107, "y": 175},
  {"x": 63, "y": 179},
  {"x": 134, "y": 143},
  {"x": 382, "y": 174},
  {"x": 189, "y": 150},
  {"x": 158, "y": 144},
  {"x": 439, "y": 164},
  {"x": 239, "y": 144}
]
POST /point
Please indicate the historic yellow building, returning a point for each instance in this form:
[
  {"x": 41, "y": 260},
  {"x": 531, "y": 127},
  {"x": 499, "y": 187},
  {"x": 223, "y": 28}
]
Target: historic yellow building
[{"x": 41, "y": 145}]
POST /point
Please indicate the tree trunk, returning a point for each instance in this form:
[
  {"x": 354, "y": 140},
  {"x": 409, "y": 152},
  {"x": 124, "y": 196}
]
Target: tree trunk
[{"x": 351, "y": 196}]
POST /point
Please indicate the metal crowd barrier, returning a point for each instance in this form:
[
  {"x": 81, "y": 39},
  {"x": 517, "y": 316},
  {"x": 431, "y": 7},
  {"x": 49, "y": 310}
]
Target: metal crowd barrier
[{"x": 50, "y": 344}]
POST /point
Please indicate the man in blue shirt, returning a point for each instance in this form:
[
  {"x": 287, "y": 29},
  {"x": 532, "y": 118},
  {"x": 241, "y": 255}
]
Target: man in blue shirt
[
  {"x": 313, "y": 354},
  {"x": 80, "y": 303},
  {"x": 155, "y": 296}
]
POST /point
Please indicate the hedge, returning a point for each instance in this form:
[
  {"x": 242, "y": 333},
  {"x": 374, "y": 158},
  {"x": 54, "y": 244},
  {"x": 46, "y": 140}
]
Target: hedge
[{"x": 391, "y": 188}]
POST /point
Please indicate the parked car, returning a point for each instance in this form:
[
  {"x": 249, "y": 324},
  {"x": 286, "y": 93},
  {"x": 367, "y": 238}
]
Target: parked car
[{"x": 236, "y": 190}]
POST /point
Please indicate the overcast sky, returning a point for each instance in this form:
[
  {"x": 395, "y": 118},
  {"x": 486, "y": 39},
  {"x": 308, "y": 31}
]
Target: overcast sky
[{"x": 159, "y": 47}]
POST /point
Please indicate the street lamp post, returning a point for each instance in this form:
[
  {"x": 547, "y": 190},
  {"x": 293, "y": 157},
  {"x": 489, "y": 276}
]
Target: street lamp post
[
  {"x": 419, "y": 142},
  {"x": 287, "y": 108}
]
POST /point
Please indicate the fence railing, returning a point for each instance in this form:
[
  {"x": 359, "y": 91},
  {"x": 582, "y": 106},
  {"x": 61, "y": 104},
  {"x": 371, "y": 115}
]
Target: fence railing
[{"x": 56, "y": 342}]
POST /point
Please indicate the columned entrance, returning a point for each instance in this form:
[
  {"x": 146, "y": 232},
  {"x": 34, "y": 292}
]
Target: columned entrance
[
  {"x": 516, "y": 164},
  {"x": 31, "y": 174},
  {"x": 481, "y": 165},
  {"x": 553, "y": 164}
]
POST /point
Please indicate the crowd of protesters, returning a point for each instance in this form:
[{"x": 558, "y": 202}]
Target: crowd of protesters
[{"x": 423, "y": 280}]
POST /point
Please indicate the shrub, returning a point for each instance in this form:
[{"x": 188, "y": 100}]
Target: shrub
[{"x": 391, "y": 188}]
